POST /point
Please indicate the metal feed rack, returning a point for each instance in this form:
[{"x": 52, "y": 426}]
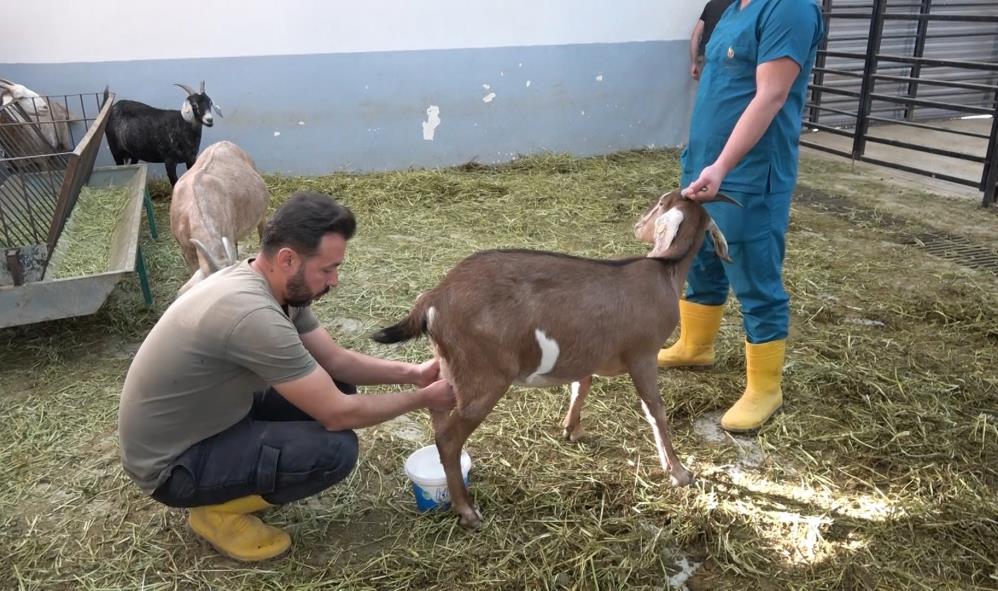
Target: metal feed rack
[
  {"x": 39, "y": 186},
  {"x": 39, "y": 182},
  {"x": 39, "y": 301}
]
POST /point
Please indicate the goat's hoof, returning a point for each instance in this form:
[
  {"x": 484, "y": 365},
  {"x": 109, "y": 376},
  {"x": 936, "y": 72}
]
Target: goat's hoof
[
  {"x": 573, "y": 436},
  {"x": 471, "y": 518},
  {"x": 682, "y": 477}
]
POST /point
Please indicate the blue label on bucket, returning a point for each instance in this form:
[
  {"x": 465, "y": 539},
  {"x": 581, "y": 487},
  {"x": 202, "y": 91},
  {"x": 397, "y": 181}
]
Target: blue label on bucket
[{"x": 428, "y": 500}]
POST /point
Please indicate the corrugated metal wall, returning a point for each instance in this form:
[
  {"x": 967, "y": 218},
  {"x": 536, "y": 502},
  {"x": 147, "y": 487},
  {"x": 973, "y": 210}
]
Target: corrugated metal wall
[{"x": 948, "y": 40}]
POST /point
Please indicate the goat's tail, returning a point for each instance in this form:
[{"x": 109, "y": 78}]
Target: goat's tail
[
  {"x": 107, "y": 94},
  {"x": 408, "y": 328}
]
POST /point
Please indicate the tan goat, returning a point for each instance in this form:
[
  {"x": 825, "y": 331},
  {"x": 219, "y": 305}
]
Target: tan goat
[
  {"x": 221, "y": 197},
  {"x": 538, "y": 319}
]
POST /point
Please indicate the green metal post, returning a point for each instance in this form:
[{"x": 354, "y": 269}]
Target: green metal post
[
  {"x": 140, "y": 267},
  {"x": 150, "y": 215}
]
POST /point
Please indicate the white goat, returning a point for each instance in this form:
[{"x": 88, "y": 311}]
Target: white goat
[
  {"x": 51, "y": 116},
  {"x": 221, "y": 198},
  {"x": 542, "y": 319}
]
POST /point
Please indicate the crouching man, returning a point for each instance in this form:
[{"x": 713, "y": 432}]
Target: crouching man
[{"x": 230, "y": 405}]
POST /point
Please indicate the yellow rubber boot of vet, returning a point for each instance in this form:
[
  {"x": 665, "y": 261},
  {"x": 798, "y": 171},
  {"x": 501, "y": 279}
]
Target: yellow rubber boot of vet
[
  {"x": 764, "y": 371},
  {"x": 231, "y": 529},
  {"x": 698, "y": 327}
]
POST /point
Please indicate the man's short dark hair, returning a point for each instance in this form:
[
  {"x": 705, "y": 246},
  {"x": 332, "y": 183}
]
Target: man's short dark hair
[{"x": 302, "y": 221}]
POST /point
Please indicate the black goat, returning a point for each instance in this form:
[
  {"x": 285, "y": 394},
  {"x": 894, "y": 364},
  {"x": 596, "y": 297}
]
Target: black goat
[{"x": 135, "y": 131}]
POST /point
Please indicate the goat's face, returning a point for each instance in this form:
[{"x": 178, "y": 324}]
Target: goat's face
[
  {"x": 674, "y": 224},
  {"x": 198, "y": 106}
]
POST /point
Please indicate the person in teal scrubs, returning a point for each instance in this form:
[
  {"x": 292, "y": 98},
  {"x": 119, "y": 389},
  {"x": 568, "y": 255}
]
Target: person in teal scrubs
[{"x": 744, "y": 142}]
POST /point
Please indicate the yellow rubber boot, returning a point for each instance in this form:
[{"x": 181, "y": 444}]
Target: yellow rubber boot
[
  {"x": 231, "y": 529},
  {"x": 764, "y": 371},
  {"x": 698, "y": 327}
]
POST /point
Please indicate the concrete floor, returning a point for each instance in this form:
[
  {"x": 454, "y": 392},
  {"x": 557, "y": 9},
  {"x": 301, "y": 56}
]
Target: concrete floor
[{"x": 914, "y": 158}]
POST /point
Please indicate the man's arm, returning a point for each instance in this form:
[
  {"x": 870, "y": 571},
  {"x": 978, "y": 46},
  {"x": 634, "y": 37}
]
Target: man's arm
[
  {"x": 695, "y": 49},
  {"x": 318, "y": 396},
  {"x": 773, "y": 82},
  {"x": 359, "y": 369}
]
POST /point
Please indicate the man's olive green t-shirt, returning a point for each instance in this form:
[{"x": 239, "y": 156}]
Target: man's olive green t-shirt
[{"x": 196, "y": 372}]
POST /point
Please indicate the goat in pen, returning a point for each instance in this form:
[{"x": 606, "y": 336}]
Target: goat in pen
[{"x": 537, "y": 319}]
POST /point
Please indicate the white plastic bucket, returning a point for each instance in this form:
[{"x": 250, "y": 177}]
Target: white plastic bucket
[{"x": 429, "y": 482}]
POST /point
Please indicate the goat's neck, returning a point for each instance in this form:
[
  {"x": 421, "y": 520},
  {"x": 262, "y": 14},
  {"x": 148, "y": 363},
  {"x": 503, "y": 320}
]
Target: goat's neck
[{"x": 676, "y": 273}]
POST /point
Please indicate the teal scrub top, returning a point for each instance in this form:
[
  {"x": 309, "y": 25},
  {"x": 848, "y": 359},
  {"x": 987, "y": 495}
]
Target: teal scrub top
[{"x": 763, "y": 31}]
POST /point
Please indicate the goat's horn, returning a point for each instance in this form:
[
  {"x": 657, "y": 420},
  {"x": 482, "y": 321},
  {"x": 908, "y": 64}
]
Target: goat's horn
[
  {"x": 6, "y": 83},
  {"x": 230, "y": 251},
  {"x": 720, "y": 243},
  {"x": 202, "y": 87},
  {"x": 186, "y": 88},
  {"x": 726, "y": 199},
  {"x": 212, "y": 261}
]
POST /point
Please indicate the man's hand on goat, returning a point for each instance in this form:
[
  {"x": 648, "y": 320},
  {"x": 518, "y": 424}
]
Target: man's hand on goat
[
  {"x": 705, "y": 188},
  {"x": 439, "y": 396},
  {"x": 426, "y": 373}
]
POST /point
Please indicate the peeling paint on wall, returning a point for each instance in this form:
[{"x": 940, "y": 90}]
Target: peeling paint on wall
[
  {"x": 431, "y": 123},
  {"x": 488, "y": 98}
]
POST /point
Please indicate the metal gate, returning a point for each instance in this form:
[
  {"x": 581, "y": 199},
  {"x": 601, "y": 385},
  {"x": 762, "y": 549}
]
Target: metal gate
[{"x": 910, "y": 63}]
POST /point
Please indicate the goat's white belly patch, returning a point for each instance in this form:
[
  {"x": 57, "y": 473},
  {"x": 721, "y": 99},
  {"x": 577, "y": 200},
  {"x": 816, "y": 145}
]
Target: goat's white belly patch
[{"x": 549, "y": 356}]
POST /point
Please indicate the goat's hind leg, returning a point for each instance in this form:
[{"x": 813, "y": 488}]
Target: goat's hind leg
[
  {"x": 644, "y": 374},
  {"x": 573, "y": 418},
  {"x": 452, "y": 430}
]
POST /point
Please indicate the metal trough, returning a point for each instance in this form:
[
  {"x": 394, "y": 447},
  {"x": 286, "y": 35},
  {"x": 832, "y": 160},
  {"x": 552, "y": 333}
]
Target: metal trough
[{"x": 79, "y": 296}]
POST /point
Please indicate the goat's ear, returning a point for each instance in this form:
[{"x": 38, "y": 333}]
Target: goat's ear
[
  {"x": 187, "y": 111},
  {"x": 644, "y": 228},
  {"x": 666, "y": 230},
  {"x": 720, "y": 243},
  {"x": 217, "y": 109}
]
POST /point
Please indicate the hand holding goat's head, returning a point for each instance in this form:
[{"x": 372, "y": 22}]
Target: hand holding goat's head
[{"x": 673, "y": 222}]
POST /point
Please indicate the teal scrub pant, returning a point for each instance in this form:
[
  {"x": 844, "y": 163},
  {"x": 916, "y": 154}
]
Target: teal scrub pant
[{"x": 756, "y": 236}]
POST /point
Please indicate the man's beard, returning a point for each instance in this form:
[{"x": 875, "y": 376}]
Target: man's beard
[{"x": 298, "y": 294}]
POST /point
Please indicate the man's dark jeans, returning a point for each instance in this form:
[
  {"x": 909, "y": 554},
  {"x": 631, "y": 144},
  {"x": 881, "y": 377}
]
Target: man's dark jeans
[{"x": 277, "y": 452}]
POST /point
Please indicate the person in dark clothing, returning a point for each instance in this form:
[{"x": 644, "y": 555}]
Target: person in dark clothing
[{"x": 701, "y": 33}]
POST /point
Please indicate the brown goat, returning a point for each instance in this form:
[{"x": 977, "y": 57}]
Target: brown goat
[{"x": 538, "y": 319}]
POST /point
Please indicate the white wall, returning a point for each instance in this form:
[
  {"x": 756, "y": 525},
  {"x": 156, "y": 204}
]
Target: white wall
[{"x": 56, "y": 31}]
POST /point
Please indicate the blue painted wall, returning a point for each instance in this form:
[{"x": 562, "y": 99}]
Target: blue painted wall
[{"x": 309, "y": 114}]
